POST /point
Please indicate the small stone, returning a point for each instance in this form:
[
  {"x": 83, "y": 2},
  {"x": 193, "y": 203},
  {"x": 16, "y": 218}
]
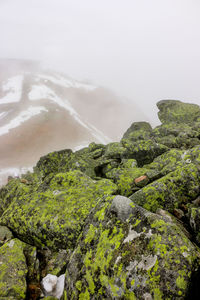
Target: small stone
[
  {"x": 23, "y": 180},
  {"x": 178, "y": 213},
  {"x": 121, "y": 205},
  {"x": 141, "y": 181},
  {"x": 53, "y": 285}
]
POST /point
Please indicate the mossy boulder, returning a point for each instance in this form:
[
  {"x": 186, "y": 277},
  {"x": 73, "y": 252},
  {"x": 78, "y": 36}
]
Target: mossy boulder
[
  {"x": 54, "y": 218},
  {"x": 126, "y": 252},
  {"x": 177, "y": 111},
  {"x": 14, "y": 189},
  {"x": 172, "y": 191},
  {"x": 177, "y": 135},
  {"x": 53, "y": 162},
  {"x": 84, "y": 160},
  {"x": 115, "y": 151},
  {"x": 13, "y": 270},
  {"x": 126, "y": 181},
  {"x": 144, "y": 151},
  {"x": 138, "y": 131}
]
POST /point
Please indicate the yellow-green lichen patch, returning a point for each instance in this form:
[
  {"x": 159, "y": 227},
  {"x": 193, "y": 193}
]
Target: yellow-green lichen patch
[
  {"x": 180, "y": 186},
  {"x": 13, "y": 270},
  {"x": 126, "y": 182},
  {"x": 55, "y": 217},
  {"x": 131, "y": 258}
]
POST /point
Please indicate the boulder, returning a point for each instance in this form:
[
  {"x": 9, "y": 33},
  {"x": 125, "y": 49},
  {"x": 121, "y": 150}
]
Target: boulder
[
  {"x": 126, "y": 252},
  {"x": 177, "y": 188},
  {"x": 54, "y": 217},
  {"x": 138, "y": 131},
  {"x": 177, "y": 111},
  {"x": 144, "y": 151}
]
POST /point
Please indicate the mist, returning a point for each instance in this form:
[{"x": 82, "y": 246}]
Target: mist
[{"x": 143, "y": 50}]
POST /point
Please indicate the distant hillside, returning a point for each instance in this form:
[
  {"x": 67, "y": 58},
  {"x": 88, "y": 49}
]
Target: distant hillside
[{"x": 43, "y": 111}]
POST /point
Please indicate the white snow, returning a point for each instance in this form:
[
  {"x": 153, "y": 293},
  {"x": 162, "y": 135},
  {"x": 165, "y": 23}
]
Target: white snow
[
  {"x": 13, "y": 87},
  {"x": 22, "y": 117},
  {"x": 66, "y": 82},
  {"x": 39, "y": 92},
  {"x": 3, "y": 114}
]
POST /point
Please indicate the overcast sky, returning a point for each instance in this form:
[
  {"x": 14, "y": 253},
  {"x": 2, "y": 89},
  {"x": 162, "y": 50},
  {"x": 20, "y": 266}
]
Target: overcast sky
[{"x": 145, "y": 50}]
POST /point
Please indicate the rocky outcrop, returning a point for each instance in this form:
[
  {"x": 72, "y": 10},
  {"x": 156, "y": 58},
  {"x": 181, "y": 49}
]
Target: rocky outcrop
[
  {"x": 71, "y": 217},
  {"x": 126, "y": 252}
]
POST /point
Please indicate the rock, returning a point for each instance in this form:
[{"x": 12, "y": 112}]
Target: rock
[
  {"x": 53, "y": 286},
  {"x": 171, "y": 191},
  {"x": 177, "y": 111},
  {"x": 53, "y": 162},
  {"x": 138, "y": 131},
  {"x": 53, "y": 262},
  {"x": 141, "y": 181},
  {"x": 13, "y": 270},
  {"x": 126, "y": 180},
  {"x": 122, "y": 207},
  {"x": 126, "y": 252},
  {"x": 115, "y": 150},
  {"x": 54, "y": 217},
  {"x": 144, "y": 151},
  {"x": 194, "y": 219},
  {"x": 177, "y": 135},
  {"x": 5, "y": 235}
]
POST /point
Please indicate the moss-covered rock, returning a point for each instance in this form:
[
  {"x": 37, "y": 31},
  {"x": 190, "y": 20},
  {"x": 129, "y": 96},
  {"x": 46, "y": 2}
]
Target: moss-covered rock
[
  {"x": 175, "y": 135},
  {"x": 54, "y": 218},
  {"x": 126, "y": 252},
  {"x": 177, "y": 111},
  {"x": 177, "y": 188},
  {"x": 5, "y": 235},
  {"x": 13, "y": 270},
  {"x": 144, "y": 151},
  {"x": 126, "y": 181},
  {"x": 53, "y": 162},
  {"x": 138, "y": 131}
]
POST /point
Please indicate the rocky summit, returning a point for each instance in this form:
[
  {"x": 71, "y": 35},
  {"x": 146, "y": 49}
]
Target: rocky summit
[{"x": 115, "y": 221}]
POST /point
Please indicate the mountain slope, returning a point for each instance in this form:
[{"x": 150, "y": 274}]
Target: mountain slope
[{"x": 43, "y": 111}]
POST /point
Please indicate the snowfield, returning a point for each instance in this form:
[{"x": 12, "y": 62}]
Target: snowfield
[
  {"x": 22, "y": 117},
  {"x": 13, "y": 87}
]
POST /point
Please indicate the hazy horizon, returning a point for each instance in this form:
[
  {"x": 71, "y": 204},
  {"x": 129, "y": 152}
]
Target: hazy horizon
[{"x": 143, "y": 50}]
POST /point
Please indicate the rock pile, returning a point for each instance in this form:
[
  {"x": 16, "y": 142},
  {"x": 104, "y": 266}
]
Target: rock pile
[{"x": 116, "y": 221}]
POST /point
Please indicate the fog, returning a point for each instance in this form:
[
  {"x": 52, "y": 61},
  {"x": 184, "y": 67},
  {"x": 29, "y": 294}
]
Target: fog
[{"x": 144, "y": 50}]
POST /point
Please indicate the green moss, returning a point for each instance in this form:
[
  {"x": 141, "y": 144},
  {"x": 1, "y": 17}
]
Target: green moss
[
  {"x": 55, "y": 217},
  {"x": 126, "y": 183},
  {"x": 13, "y": 270},
  {"x": 170, "y": 191},
  {"x": 177, "y": 111},
  {"x": 181, "y": 283}
]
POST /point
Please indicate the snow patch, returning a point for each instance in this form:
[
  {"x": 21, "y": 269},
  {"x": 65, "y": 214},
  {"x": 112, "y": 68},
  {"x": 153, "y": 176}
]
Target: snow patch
[
  {"x": 3, "y": 114},
  {"x": 39, "y": 92},
  {"x": 13, "y": 87},
  {"x": 66, "y": 82},
  {"x": 22, "y": 117}
]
